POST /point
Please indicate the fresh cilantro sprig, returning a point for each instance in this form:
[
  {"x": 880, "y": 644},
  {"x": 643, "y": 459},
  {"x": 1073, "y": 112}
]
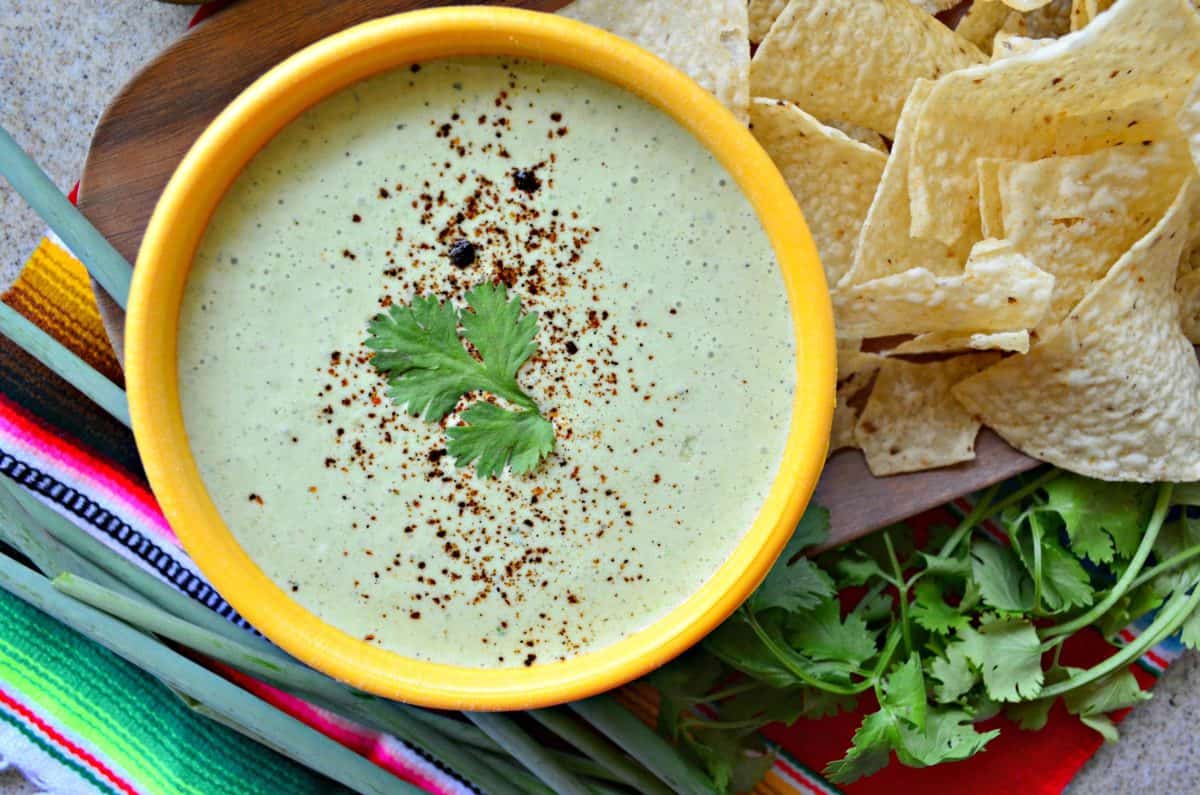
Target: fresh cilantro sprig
[
  {"x": 946, "y": 634},
  {"x": 419, "y": 348}
]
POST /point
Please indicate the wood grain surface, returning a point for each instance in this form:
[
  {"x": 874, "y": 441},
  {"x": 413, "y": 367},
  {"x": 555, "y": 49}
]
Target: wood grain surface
[{"x": 149, "y": 126}]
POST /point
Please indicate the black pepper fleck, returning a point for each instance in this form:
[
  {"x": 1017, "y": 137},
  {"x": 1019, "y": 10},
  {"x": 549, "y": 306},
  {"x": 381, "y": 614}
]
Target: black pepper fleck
[
  {"x": 524, "y": 179},
  {"x": 462, "y": 253}
]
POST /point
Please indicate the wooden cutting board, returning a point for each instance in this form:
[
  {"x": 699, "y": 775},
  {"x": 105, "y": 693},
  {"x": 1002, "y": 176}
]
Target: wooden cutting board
[{"x": 155, "y": 118}]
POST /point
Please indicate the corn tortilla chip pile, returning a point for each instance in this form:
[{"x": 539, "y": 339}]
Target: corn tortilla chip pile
[
  {"x": 707, "y": 39},
  {"x": 1008, "y": 212}
]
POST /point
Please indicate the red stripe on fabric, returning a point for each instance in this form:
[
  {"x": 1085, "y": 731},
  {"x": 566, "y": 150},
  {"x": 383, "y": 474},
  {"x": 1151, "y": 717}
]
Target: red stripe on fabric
[
  {"x": 800, "y": 777},
  {"x": 48, "y": 441},
  {"x": 64, "y": 743}
]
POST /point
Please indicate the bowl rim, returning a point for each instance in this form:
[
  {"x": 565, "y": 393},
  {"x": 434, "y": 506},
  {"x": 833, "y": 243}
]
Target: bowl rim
[{"x": 182, "y": 215}]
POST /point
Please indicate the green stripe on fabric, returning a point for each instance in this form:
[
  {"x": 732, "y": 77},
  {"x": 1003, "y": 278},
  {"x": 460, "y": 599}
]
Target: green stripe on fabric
[
  {"x": 133, "y": 720},
  {"x": 55, "y": 691},
  {"x": 53, "y": 751}
]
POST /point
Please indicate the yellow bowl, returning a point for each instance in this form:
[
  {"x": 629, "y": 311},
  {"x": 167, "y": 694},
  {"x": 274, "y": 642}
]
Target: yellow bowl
[{"x": 179, "y": 222}]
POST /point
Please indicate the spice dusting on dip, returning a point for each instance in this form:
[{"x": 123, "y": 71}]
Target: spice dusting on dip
[{"x": 665, "y": 361}]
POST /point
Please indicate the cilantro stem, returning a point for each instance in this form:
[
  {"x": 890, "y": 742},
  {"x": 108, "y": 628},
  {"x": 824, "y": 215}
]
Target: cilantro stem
[
  {"x": 730, "y": 725},
  {"x": 729, "y": 692},
  {"x": 885, "y": 656},
  {"x": 977, "y": 515},
  {"x": 1057, "y": 656},
  {"x": 901, "y": 590},
  {"x": 788, "y": 659},
  {"x": 1168, "y": 621},
  {"x": 1170, "y": 563},
  {"x": 985, "y": 508},
  {"x": 1057, "y": 633},
  {"x": 512, "y": 393},
  {"x": 1035, "y": 534}
]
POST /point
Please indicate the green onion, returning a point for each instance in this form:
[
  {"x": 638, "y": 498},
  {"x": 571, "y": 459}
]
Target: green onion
[
  {"x": 279, "y": 670},
  {"x": 71, "y": 368},
  {"x": 102, "y": 260},
  {"x": 454, "y": 729},
  {"x": 643, "y": 744},
  {"x": 530, "y": 783},
  {"x": 518, "y": 775},
  {"x": 143, "y": 583},
  {"x": 268, "y": 725},
  {"x": 513, "y": 739},
  {"x": 599, "y": 749},
  {"x": 21, "y": 532}
]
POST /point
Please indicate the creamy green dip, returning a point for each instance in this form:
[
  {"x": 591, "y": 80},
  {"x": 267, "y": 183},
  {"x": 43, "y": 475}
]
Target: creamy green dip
[{"x": 666, "y": 361}]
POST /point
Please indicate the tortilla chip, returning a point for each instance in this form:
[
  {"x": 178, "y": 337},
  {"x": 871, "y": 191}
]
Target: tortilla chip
[
  {"x": 1064, "y": 98},
  {"x": 953, "y": 342},
  {"x": 934, "y": 6},
  {"x": 1075, "y": 216},
  {"x": 991, "y": 210},
  {"x": 860, "y": 134},
  {"x": 763, "y": 14},
  {"x": 706, "y": 39},
  {"x": 1189, "y": 122},
  {"x": 1084, "y": 11},
  {"x": 1049, "y": 20},
  {"x": 1025, "y": 5},
  {"x": 855, "y": 61},
  {"x": 832, "y": 177},
  {"x": 912, "y": 420},
  {"x": 1008, "y": 44},
  {"x": 885, "y": 246},
  {"x": 982, "y": 22},
  {"x": 856, "y": 373},
  {"x": 1114, "y": 391},
  {"x": 999, "y": 290},
  {"x": 1188, "y": 289}
]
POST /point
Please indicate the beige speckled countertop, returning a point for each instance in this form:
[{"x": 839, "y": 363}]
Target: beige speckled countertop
[{"x": 60, "y": 61}]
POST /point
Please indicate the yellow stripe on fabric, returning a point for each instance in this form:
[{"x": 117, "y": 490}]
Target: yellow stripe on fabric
[
  {"x": 54, "y": 292},
  {"x": 775, "y": 784},
  {"x": 642, "y": 700}
]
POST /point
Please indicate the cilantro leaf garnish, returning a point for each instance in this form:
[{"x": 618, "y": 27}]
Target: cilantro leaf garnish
[
  {"x": 420, "y": 350},
  {"x": 494, "y": 436}
]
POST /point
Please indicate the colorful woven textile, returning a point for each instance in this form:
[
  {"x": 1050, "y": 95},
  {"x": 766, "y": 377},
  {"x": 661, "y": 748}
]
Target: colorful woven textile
[
  {"x": 77, "y": 719},
  {"x": 80, "y": 720}
]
